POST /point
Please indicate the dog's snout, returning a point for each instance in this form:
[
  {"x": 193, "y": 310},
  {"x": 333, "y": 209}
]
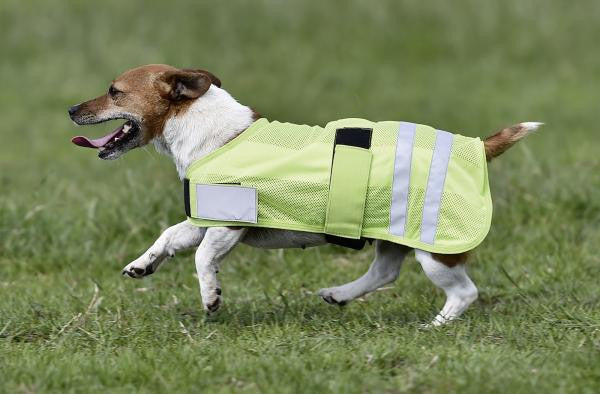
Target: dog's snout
[{"x": 73, "y": 110}]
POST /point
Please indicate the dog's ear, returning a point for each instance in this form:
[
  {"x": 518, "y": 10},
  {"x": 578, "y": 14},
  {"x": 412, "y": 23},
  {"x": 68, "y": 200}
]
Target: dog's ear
[
  {"x": 183, "y": 84},
  {"x": 213, "y": 78}
]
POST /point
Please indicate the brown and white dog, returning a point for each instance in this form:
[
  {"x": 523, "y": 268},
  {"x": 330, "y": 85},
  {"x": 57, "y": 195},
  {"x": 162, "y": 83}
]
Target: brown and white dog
[{"x": 186, "y": 115}]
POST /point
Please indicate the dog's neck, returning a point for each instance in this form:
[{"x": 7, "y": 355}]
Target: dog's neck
[{"x": 209, "y": 123}]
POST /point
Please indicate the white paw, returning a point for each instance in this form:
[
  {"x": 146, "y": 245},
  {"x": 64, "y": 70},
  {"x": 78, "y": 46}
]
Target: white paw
[
  {"x": 138, "y": 268},
  {"x": 331, "y": 296},
  {"x": 437, "y": 322},
  {"x": 440, "y": 321},
  {"x": 213, "y": 301}
]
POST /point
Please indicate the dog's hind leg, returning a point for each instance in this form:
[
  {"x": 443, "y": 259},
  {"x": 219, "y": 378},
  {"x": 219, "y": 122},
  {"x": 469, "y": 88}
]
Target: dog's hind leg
[
  {"x": 384, "y": 269},
  {"x": 181, "y": 236},
  {"x": 217, "y": 242},
  {"x": 451, "y": 277}
]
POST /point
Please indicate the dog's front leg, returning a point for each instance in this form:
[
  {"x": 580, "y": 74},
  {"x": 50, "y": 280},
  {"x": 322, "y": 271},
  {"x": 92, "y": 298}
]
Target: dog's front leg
[
  {"x": 217, "y": 242},
  {"x": 181, "y": 236}
]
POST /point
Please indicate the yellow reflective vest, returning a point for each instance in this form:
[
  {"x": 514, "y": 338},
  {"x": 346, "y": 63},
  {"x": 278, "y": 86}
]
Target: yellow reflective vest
[{"x": 352, "y": 179}]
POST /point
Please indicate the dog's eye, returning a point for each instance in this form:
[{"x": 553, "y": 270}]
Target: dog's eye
[{"x": 112, "y": 91}]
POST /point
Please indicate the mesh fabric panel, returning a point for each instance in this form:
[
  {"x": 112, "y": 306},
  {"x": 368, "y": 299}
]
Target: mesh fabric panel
[
  {"x": 286, "y": 201},
  {"x": 295, "y": 140}
]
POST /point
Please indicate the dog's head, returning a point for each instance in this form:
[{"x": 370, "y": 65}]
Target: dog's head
[{"x": 145, "y": 97}]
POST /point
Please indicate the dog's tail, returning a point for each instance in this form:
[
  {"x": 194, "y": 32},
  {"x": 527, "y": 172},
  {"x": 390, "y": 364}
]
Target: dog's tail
[{"x": 496, "y": 144}]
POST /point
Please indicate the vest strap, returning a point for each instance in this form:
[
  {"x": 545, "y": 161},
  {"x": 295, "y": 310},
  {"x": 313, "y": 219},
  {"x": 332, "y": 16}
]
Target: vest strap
[
  {"x": 186, "y": 197},
  {"x": 348, "y": 183},
  {"x": 356, "y": 244}
]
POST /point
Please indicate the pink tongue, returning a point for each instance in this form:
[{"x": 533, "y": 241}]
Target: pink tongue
[{"x": 97, "y": 143}]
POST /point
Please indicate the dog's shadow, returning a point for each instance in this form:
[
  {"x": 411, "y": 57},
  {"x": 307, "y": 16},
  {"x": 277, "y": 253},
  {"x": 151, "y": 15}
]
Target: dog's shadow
[{"x": 308, "y": 311}]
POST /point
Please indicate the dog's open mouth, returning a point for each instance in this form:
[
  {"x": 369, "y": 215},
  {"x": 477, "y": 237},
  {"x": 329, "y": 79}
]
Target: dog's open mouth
[{"x": 123, "y": 138}]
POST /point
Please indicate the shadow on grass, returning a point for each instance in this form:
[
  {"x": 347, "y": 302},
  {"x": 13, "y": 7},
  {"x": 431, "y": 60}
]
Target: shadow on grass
[{"x": 307, "y": 311}]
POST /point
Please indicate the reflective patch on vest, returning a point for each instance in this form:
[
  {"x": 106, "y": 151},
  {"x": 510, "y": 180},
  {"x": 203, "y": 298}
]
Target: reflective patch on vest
[
  {"x": 401, "y": 182},
  {"x": 229, "y": 203},
  {"x": 435, "y": 185}
]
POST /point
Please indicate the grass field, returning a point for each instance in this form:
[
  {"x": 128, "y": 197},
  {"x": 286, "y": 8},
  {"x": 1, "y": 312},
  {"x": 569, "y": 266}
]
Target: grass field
[{"x": 69, "y": 222}]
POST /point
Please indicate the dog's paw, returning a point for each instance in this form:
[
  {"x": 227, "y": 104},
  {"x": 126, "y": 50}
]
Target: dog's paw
[
  {"x": 137, "y": 270},
  {"x": 330, "y": 297},
  {"x": 213, "y": 302}
]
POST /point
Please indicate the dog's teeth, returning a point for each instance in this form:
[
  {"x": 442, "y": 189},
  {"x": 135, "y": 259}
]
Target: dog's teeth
[{"x": 126, "y": 128}]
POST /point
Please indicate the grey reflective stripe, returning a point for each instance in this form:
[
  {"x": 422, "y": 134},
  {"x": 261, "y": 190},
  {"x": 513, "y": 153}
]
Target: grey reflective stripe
[
  {"x": 435, "y": 185},
  {"x": 401, "y": 183},
  {"x": 229, "y": 203}
]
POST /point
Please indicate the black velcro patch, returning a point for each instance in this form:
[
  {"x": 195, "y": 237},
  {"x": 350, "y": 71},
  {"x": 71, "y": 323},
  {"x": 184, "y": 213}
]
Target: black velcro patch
[{"x": 354, "y": 136}]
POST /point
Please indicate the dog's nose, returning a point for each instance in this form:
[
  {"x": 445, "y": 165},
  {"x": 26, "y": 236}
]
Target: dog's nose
[{"x": 73, "y": 109}]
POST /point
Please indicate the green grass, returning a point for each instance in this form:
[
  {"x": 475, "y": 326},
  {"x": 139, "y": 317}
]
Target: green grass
[{"x": 69, "y": 222}]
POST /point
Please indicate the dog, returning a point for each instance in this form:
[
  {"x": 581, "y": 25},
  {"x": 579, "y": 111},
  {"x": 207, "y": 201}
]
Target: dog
[{"x": 186, "y": 115}]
